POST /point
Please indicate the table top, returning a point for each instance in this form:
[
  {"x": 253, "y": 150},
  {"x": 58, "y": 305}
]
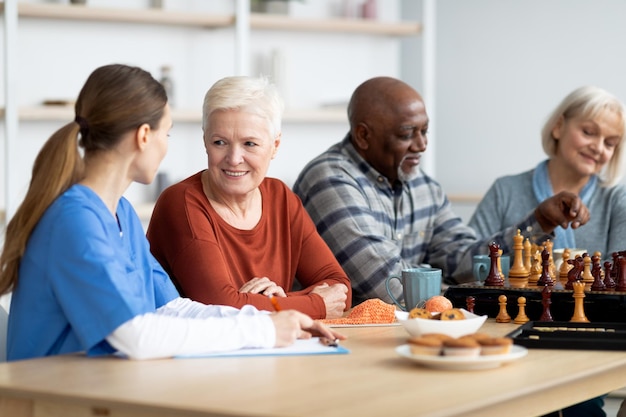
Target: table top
[{"x": 372, "y": 380}]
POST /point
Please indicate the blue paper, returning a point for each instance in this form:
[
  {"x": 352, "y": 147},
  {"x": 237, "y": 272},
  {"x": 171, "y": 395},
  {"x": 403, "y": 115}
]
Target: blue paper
[{"x": 300, "y": 347}]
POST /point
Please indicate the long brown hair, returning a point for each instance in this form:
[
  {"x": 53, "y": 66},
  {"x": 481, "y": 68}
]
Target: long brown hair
[{"x": 115, "y": 99}]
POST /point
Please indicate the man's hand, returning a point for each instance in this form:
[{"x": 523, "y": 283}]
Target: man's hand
[{"x": 564, "y": 209}]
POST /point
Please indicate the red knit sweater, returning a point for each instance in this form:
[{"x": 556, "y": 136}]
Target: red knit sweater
[{"x": 209, "y": 260}]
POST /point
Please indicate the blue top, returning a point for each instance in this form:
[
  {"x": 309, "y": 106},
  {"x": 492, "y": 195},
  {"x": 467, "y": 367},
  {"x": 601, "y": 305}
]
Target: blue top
[
  {"x": 512, "y": 197},
  {"x": 82, "y": 276}
]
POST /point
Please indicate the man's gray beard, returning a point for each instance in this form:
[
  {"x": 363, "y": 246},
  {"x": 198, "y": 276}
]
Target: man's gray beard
[{"x": 408, "y": 176}]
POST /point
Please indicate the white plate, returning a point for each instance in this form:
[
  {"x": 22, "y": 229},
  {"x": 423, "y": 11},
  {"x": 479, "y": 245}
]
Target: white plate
[{"x": 456, "y": 363}]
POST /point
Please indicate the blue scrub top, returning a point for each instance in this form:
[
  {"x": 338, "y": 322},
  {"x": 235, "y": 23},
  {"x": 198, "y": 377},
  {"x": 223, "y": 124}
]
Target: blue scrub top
[{"x": 81, "y": 277}]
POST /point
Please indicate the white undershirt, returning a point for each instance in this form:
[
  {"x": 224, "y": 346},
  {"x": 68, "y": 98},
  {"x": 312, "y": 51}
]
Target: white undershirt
[{"x": 183, "y": 327}]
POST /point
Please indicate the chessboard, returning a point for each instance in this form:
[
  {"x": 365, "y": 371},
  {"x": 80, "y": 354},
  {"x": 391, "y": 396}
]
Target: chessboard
[
  {"x": 567, "y": 335},
  {"x": 601, "y": 306},
  {"x": 581, "y": 289}
]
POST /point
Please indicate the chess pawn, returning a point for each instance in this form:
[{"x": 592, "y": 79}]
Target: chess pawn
[
  {"x": 535, "y": 270},
  {"x": 565, "y": 267},
  {"x": 579, "y": 294},
  {"x": 546, "y": 300},
  {"x": 551, "y": 267},
  {"x": 596, "y": 272},
  {"x": 518, "y": 274},
  {"x": 599, "y": 255},
  {"x": 528, "y": 254},
  {"x": 545, "y": 278},
  {"x": 521, "y": 316},
  {"x": 609, "y": 282},
  {"x": 586, "y": 276},
  {"x": 503, "y": 315},
  {"x": 470, "y": 301}
]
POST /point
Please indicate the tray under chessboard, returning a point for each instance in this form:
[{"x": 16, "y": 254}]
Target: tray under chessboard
[
  {"x": 568, "y": 335},
  {"x": 600, "y": 306}
]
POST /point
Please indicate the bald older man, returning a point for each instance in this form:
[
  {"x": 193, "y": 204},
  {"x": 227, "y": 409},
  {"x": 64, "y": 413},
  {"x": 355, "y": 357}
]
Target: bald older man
[{"x": 380, "y": 213}]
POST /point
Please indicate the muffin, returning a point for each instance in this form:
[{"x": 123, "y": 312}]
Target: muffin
[
  {"x": 495, "y": 345},
  {"x": 452, "y": 314},
  {"x": 479, "y": 336},
  {"x": 441, "y": 336},
  {"x": 424, "y": 345},
  {"x": 463, "y": 346},
  {"x": 419, "y": 313}
]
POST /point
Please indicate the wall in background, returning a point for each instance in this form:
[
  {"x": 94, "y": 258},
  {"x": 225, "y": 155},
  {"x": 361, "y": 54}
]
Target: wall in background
[
  {"x": 317, "y": 70},
  {"x": 502, "y": 66}
]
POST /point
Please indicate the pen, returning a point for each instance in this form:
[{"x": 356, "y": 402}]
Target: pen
[
  {"x": 329, "y": 342},
  {"x": 274, "y": 302}
]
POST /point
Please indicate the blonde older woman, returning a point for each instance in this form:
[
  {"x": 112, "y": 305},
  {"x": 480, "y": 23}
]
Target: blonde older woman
[
  {"x": 230, "y": 235},
  {"x": 583, "y": 138}
]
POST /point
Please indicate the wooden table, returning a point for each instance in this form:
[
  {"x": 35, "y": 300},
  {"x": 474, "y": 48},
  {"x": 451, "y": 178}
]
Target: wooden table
[{"x": 372, "y": 380}]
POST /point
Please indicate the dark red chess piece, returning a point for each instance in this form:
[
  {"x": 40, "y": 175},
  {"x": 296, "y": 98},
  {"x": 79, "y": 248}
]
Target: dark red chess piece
[
  {"x": 596, "y": 272},
  {"x": 574, "y": 274},
  {"x": 470, "y": 301},
  {"x": 621, "y": 279},
  {"x": 546, "y": 300},
  {"x": 615, "y": 267},
  {"x": 494, "y": 279},
  {"x": 545, "y": 278},
  {"x": 609, "y": 282}
]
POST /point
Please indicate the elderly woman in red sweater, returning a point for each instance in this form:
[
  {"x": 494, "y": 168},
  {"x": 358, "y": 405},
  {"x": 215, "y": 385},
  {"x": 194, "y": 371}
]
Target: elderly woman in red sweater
[{"x": 230, "y": 235}]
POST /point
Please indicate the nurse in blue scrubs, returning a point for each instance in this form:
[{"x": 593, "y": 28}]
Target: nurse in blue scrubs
[{"x": 76, "y": 258}]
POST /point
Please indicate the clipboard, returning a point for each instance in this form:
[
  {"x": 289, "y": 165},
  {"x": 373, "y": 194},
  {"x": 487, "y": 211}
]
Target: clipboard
[{"x": 301, "y": 347}]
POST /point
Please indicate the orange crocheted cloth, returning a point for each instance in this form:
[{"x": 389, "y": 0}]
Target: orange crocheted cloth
[{"x": 373, "y": 311}]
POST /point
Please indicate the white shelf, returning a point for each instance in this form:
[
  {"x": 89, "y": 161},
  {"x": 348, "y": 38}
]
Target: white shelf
[
  {"x": 66, "y": 113},
  {"x": 364, "y": 26},
  {"x": 103, "y": 14},
  {"x": 208, "y": 20}
]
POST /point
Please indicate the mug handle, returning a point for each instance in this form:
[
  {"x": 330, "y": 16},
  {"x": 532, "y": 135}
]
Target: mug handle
[
  {"x": 477, "y": 271},
  {"x": 396, "y": 302}
]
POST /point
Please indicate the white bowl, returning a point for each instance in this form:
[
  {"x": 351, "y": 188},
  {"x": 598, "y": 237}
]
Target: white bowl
[{"x": 454, "y": 328}]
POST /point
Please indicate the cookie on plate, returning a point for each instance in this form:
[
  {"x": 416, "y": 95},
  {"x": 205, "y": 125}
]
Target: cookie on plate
[
  {"x": 419, "y": 313},
  {"x": 425, "y": 345},
  {"x": 464, "y": 346},
  {"x": 452, "y": 314}
]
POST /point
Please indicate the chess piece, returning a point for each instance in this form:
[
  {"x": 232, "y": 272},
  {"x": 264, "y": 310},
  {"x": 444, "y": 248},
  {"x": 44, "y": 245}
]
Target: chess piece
[
  {"x": 470, "y": 301},
  {"x": 499, "y": 261},
  {"x": 535, "y": 270},
  {"x": 545, "y": 278},
  {"x": 574, "y": 274},
  {"x": 579, "y": 295},
  {"x": 518, "y": 274},
  {"x": 586, "y": 276},
  {"x": 494, "y": 278},
  {"x": 521, "y": 317},
  {"x": 503, "y": 315},
  {"x": 528, "y": 254},
  {"x": 596, "y": 272},
  {"x": 615, "y": 266},
  {"x": 609, "y": 282},
  {"x": 551, "y": 267},
  {"x": 546, "y": 300},
  {"x": 621, "y": 278},
  {"x": 565, "y": 267}
]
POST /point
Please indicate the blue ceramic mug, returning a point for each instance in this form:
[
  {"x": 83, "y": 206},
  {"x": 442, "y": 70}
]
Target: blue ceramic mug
[{"x": 418, "y": 285}]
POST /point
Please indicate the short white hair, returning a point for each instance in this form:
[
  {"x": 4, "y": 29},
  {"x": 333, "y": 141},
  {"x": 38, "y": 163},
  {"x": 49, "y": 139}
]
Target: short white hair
[{"x": 252, "y": 94}]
